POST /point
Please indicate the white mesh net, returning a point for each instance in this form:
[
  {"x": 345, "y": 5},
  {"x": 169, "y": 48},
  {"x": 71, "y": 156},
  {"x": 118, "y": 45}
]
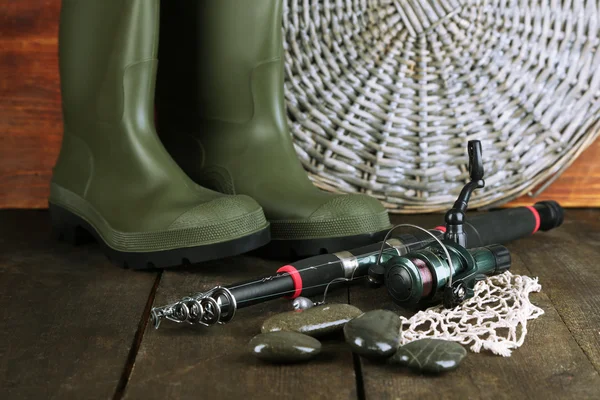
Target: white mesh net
[{"x": 495, "y": 319}]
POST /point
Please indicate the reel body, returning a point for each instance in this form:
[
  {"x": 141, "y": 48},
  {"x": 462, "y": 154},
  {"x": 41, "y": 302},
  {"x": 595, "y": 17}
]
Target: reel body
[{"x": 425, "y": 276}]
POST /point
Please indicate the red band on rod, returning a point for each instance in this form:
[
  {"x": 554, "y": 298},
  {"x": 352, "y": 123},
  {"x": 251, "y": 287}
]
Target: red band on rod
[
  {"x": 440, "y": 228},
  {"x": 536, "y": 215},
  {"x": 296, "y": 278}
]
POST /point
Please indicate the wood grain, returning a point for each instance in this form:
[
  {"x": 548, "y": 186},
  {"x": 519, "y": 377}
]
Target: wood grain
[
  {"x": 198, "y": 362},
  {"x": 30, "y": 111},
  {"x": 69, "y": 317},
  {"x": 578, "y": 186},
  {"x": 566, "y": 261},
  {"x": 551, "y": 364},
  {"x": 31, "y": 125}
]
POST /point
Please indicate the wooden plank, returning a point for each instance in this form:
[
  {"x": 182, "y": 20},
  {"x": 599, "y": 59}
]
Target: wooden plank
[
  {"x": 30, "y": 110},
  {"x": 566, "y": 260},
  {"x": 214, "y": 362},
  {"x": 31, "y": 124},
  {"x": 578, "y": 186},
  {"x": 550, "y": 364},
  {"x": 69, "y": 317}
]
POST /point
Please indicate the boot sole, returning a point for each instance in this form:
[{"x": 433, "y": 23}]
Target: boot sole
[
  {"x": 303, "y": 248},
  {"x": 73, "y": 229}
]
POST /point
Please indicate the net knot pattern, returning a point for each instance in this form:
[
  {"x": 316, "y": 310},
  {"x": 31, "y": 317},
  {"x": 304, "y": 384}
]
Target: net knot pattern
[{"x": 495, "y": 319}]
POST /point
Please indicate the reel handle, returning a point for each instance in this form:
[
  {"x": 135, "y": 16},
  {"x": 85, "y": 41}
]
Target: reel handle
[{"x": 455, "y": 217}]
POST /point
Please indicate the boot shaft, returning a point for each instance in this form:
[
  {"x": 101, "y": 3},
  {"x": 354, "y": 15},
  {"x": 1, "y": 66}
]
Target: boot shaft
[
  {"x": 103, "y": 46},
  {"x": 107, "y": 56},
  {"x": 238, "y": 37},
  {"x": 222, "y": 55},
  {"x": 221, "y": 104}
]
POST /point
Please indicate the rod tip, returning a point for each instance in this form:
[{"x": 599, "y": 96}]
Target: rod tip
[{"x": 155, "y": 318}]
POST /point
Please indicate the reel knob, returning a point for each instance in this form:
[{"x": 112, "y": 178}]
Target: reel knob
[
  {"x": 400, "y": 284},
  {"x": 404, "y": 281},
  {"x": 376, "y": 276}
]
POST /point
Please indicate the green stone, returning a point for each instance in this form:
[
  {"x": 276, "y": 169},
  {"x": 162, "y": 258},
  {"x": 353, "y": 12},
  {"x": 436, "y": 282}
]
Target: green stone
[
  {"x": 315, "y": 321},
  {"x": 430, "y": 355},
  {"x": 284, "y": 347},
  {"x": 374, "y": 334}
]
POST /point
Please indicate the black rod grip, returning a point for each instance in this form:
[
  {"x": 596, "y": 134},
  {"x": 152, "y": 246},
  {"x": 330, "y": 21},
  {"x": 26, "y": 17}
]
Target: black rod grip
[
  {"x": 512, "y": 223},
  {"x": 258, "y": 291}
]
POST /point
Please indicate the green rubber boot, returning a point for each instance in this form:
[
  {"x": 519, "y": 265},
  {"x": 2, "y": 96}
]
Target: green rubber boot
[
  {"x": 114, "y": 179},
  {"x": 221, "y": 115}
]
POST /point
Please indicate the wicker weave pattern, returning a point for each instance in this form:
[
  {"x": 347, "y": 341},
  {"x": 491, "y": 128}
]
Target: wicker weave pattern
[{"x": 383, "y": 95}]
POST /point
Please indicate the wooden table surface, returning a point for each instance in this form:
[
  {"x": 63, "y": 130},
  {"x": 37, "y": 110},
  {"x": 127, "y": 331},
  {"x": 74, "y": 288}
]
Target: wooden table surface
[{"x": 75, "y": 326}]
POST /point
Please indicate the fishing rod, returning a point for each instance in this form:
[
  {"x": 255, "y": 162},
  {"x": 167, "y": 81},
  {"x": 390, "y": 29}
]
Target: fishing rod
[{"x": 440, "y": 264}]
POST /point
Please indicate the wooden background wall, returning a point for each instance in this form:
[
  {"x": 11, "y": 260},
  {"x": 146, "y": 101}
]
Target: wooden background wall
[{"x": 30, "y": 115}]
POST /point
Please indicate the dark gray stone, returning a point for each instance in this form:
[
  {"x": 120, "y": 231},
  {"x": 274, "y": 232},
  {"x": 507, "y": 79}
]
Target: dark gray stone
[
  {"x": 374, "y": 334},
  {"x": 430, "y": 355},
  {"x": 315, "y": 321},
  {"x": 282, "y": 347}
]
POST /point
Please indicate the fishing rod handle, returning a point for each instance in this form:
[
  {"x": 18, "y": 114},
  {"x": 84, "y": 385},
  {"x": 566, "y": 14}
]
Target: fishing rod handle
[{"x": 510, "y": 224}]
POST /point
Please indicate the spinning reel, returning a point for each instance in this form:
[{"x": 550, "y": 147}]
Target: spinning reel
[
  {"x": 426, "y": 276},
  {"x": 446, "y": 270}
]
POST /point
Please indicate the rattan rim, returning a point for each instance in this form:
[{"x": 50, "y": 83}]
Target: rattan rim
[{"x": 383, "y": 95}]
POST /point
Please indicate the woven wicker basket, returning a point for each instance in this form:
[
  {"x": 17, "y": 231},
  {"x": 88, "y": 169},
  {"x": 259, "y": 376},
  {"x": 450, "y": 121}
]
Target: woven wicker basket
[{"x": 383, "y": 95}]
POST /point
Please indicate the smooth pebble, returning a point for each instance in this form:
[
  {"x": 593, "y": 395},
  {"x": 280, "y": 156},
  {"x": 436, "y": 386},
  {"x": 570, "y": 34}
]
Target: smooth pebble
[
  {"x": 282, "y": 347},
  {"x": 430, "y": 355},
  {"x": 374, "y": 334},
  {"x": 315, "y": 321}
]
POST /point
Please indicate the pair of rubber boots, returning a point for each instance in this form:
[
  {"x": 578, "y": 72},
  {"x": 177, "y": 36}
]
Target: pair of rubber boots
[{"x": 223, "y": 177}]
